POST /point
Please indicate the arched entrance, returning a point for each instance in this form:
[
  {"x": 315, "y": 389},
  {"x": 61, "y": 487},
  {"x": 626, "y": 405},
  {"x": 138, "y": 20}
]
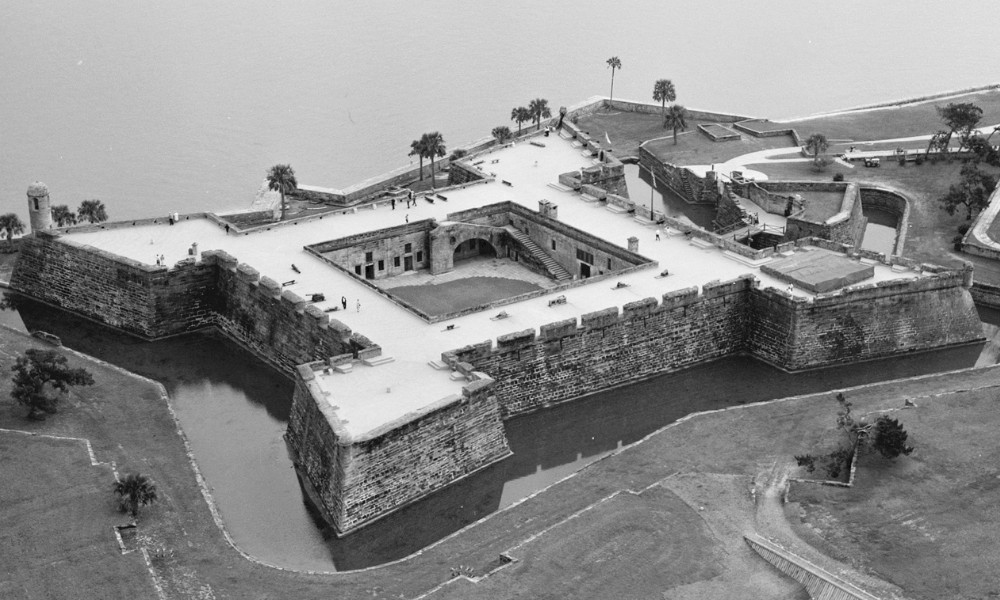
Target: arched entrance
[{"x": 473, "y": 248}]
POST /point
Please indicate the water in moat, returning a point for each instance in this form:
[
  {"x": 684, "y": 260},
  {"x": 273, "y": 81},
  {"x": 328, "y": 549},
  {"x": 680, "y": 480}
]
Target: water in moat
[{"x": 234, "y": 409}]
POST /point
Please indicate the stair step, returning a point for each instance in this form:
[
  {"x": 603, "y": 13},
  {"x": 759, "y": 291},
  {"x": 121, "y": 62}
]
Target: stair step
[{"x": 378, "y": 360}]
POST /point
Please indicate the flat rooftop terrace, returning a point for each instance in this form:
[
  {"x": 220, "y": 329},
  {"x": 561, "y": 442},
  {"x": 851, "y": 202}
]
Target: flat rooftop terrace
[{"x": 402, "y": 335}]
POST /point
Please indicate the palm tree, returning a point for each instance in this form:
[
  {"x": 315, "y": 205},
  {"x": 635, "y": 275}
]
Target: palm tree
[
  {"x": 520, "y": 115},
  {"x": 817, "y": 144},
  {"x": 281, "y": 178},
  {"x": 539, "y": 108},
  {"x": 663, "y": 92},
  {"x": 92, "y": 211},
  {"x": 502, "y": 133},
  {"x": 63, "y": 216},
  {"x": 418, "y": 148},
  {"x": 615, "y": 63},
  {"x": 11, "y": 225},
  {"x": 134, "y": 491},
  {"x": 675, "y": 118},
  {"x": 435, "y": 147}
]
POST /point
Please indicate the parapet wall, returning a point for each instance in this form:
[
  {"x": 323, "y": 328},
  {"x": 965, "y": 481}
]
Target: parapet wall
[
  {"x": 567, "y": 359},
  {"x": 359, "y": 480}
]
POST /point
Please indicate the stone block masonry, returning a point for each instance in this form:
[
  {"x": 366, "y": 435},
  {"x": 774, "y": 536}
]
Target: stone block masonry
[
  {"x": 359, "y": 479},
  {"x": 157, "y": 301},
  {"x": 606, "y": 349}
]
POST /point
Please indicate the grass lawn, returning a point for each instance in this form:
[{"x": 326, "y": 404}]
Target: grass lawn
[
  {"x": 894, "y": 122},
  {"x": 628, "y": 130},
  {"x": 928, "y": 522},
  {"x": 460, "y": 294}
]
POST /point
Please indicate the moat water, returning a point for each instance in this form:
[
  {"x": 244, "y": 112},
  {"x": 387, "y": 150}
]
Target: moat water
[{"x": 234, "y": 410}]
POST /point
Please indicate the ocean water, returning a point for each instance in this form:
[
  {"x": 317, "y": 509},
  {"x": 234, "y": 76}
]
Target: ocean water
[{"x": 182, "y": 106}]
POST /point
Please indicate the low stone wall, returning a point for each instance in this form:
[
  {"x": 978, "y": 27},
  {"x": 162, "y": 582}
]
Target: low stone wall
[
  {"x": 606, "y": 348},
  {"x": 891, "y": 202},
  {"x": 359, "y": 480},
  {"x": 681, "y": 180}
]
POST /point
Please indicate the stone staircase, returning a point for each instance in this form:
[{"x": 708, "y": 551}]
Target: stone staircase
[{"x": 555, "y": 269}]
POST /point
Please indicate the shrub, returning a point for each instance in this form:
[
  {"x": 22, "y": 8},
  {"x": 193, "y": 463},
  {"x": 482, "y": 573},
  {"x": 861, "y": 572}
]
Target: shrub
[
  {"x": 919, "y": 160},
  {"x": 957, "y": 242},
  {"x": 838, "y": 177},
  {"x": 457, "y": 154},
  {"x": 902, "y": 160},
  {"x": 963, "y": 229}
]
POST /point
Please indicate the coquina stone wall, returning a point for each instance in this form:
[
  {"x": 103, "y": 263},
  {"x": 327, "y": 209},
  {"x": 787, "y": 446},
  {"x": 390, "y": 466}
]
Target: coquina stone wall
[
  {"x": 157, "y": 301},
  {"x": 359, "y": 480},
  {"x": 606, "y": 348},
  {"x": 151, "y": 301}
]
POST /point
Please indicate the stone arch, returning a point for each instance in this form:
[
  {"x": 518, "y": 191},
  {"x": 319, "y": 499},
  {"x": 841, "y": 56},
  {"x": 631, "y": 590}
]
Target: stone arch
[
  {"x": 446, "y": 239},
  {"x": 473, "y": 247}
]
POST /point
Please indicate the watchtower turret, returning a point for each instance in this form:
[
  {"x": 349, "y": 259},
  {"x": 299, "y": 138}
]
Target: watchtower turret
[{"x": 39, "y": 207}]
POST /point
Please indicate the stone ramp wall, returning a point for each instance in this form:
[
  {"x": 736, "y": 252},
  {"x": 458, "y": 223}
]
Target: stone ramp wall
[{"x": 818, "y": 582}]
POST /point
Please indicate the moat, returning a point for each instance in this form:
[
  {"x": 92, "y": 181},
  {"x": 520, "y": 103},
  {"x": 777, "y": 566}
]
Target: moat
[{"x": 234, "y": 410}]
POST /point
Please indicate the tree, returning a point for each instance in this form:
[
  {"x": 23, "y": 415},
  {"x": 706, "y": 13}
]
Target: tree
[
  {"x": 663, "y": 92},
  {"x": 41, "y": 377},
  {"x": 885, "y": 436},
  {"x": 939, "y": 141},
  {"x": 960, "y": 118},
  {"x": 502, "y": 134},
  {"x": 11, "y": 225},
  {"x": 519, "y": 115},
  {"x": 614, "y": 63},
  {"x": 281, "y": 179},
  {"x": 817, "y": 144},
  {"x": 972, "y": 191},
  {"x": 92, "y": 211},
  {"x": 539, "y": 109},
  {"x": 418, "y": 148},
  {"x": 63, "y": 216},
  {"x": 675, "y": 118},
  {"x": 433, "y": 145},
  {"x": 134, "y": 491},
  {"x": 889, "y": 438}
]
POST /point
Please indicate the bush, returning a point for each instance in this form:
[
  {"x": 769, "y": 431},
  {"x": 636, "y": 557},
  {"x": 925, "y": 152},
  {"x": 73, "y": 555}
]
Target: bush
[
  {"x": 957, "y": 242},
  {"x": 838, "y": 177},
  {"x": 919, "y": 160},
  {"x": 902, "y": 160},
  {"x": 457, "y": 154},
  {"x": 963, "y": 229}
]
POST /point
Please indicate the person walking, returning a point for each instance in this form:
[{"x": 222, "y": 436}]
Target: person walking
[
  {"x": 394, "y": 203},
  {"x": 359, "y": 305},
  {"x": 343, "y": 300}
]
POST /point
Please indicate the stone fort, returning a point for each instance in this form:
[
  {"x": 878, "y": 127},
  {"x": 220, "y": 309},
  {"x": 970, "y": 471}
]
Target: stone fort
[{"x": 371, "y": 432}]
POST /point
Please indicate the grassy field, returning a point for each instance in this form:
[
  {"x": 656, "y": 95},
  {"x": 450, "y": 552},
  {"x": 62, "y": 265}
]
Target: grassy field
[
  {"x": 893, "y": 122},
  {"x": 627, "y": 130},
  {"x": 930, "y": 229},
  {"x": 928, "y": 522}
]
